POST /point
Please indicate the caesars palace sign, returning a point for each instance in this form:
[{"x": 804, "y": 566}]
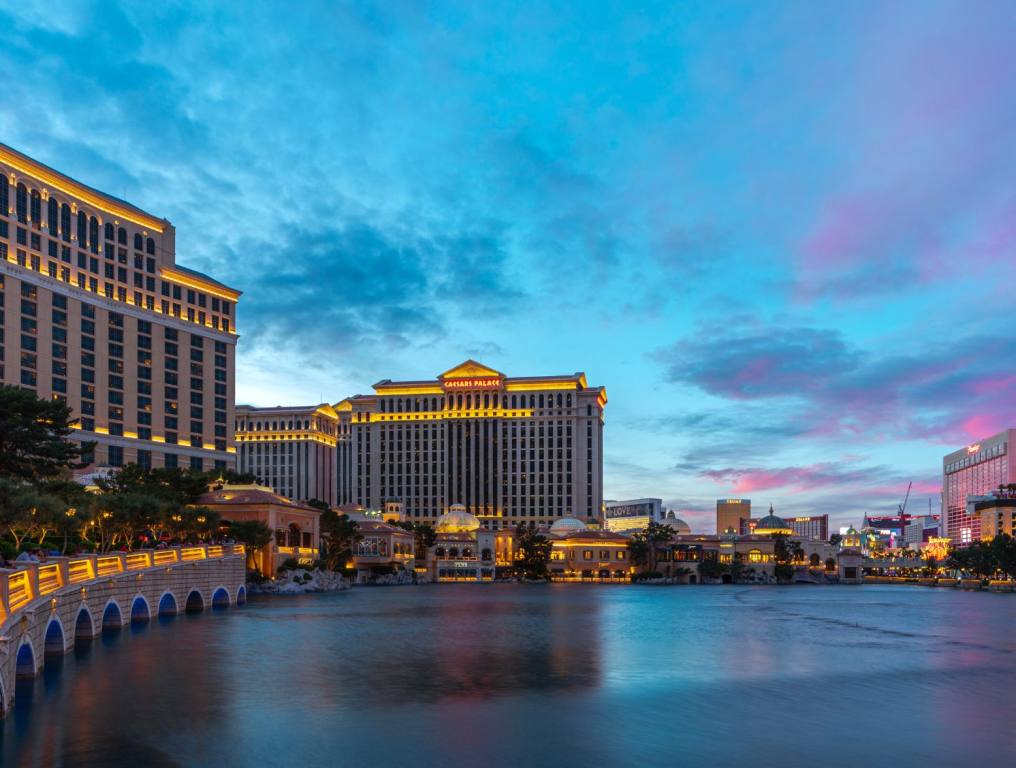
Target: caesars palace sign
[{"x": 484, "y": 382}]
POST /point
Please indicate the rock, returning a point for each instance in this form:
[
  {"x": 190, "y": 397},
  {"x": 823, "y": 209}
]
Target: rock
[{"x": 301, "y": 581}]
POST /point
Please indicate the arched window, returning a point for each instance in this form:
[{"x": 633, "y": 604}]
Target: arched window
[
  {"x": 754, "y": 556},
  {"x": 150, "y": 246},
  {"x": 121, "y": 236},
  {"x": 815, "y": 561},
  {"x": 65, "y": 222},
  {"x": 453, "y": 552},
  {"x": 139, "y": 242},
  {"x": 82, "y": 230},
  {"x": 439, "y": 552},
  {"x": 21, "y": 203},
  {"x": 36, "y": 211},
  {"x": 53, "y": 215},
  {"x": 93, "y": 234},
  {"x": 110, "y": 231}
]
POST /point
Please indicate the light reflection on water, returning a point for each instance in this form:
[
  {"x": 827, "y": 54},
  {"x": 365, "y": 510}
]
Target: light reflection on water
[{"x": 536, "y": 675}]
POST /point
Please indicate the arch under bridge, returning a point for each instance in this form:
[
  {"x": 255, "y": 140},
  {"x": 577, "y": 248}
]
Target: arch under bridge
[{"x": 46, "y": 607}]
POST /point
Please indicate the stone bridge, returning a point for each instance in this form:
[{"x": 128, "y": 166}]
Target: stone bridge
[{"x": 46, "y": 607}]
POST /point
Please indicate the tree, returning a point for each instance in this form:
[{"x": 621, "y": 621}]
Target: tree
[
  {"x": 710, "y": 569},
  {"x": 34, "y": 433},
  {"x": 318, "y": 504},
  {"x": 533, "y": 550},
  {"x": 642, "y": 545},
  {"x": 339, "y": 533},
  {"x": 254, "y": 535}
]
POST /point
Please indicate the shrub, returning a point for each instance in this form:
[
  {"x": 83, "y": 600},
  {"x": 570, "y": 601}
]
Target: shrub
[{"x": 289, "y": 564}]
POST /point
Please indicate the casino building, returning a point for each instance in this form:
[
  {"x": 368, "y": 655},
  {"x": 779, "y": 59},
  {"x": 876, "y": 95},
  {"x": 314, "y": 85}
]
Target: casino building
[
  {"x": 510, "y": 450},
  {"x": 95, "y": 311},
  {"x": 974, "y": 470},
  {"x": 291, "y": 450}
]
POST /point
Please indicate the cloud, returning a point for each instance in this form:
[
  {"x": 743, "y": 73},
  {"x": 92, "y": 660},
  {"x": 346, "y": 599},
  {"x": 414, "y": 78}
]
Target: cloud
[
  {"x": 948, "y": 392},
  {"x": 358, "y": 285},
  {"x": 758, "y": 363}
]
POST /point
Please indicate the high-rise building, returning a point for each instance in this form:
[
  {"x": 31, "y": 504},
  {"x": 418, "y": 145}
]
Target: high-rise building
[
  {"x": 813, "y": 527},
  {"x": 730, "y": 513},
  {"x": 510, "y": 449},
  {"x": 291, "y": 450},
  {"x": 631, "y": 515},
  {"x": 974, "y": 470},
  {"x": 95, "y": 311}
]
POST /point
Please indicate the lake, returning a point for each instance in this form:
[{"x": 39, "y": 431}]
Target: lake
[{"x": 533, "y": 675}]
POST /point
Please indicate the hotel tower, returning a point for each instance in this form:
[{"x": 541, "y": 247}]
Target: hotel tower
[
  {"x": 95, "y": 311},
  {"x": 511, "y": 450}
]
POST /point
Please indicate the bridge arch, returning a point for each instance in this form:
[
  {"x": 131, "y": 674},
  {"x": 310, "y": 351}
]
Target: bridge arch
[
  {"x": 84, "y": 624},
  {"x": 241, "y": 595},
  {"x": 55, "y": 643},
  {"x": 141, "y": 612},
  {"x": 168, "y": 605},
  {"x": 195, "y": 602},
  {"x": 112, "y": 616},
  {"x": 220, "y": 597},
  {"x": 25, "y": 663}
]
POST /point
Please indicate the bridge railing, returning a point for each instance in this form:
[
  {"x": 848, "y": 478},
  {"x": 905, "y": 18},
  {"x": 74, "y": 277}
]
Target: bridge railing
[{"x": 26, "y": 582}]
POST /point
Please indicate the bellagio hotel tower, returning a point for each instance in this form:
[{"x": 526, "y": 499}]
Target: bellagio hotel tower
[{"x": 95, "y": 311}]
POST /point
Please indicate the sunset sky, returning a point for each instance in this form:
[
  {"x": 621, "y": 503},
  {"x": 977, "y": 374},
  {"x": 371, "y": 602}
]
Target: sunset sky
[{"x": 782, "y": 235}]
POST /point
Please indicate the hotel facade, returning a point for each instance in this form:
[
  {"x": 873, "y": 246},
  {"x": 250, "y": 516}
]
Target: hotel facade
[
  {"x": 292, "y": 450},
  {"x": 511, "y": 450},
  {"x": 974, "y": 470},
  {"x": 94, "y": 311}
]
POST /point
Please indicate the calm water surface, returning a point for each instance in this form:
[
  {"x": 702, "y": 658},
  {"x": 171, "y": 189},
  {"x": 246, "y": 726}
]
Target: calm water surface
[{"x": 532, "y": 675}]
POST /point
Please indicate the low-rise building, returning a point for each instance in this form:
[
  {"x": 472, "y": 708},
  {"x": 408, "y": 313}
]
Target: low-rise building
[
  {"x": 382, "y": 549},
  {"x": 580, "y": 554},
  {"x": 296, "y": 527}
]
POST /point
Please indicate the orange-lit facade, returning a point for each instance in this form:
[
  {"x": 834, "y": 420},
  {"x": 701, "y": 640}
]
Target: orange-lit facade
[
  {"x": 731, "y": 513},
  {"x": 975, "y": 470},
  {"x": 95, "y": 311},
  {"x": 291, "y": 450},
  {"x": 510, "y": 450}
]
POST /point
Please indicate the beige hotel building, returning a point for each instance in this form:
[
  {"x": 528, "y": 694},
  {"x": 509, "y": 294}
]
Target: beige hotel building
[
  {"x": 291, "y": 450},
  {"x": 95, "y": 311},
  {"x": 510, "y": 449}
]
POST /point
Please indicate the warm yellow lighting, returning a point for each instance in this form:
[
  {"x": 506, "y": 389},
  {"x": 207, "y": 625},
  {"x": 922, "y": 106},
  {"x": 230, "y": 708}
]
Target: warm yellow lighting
[
  {"x": 403, "y": 389},
  {"x": 70, "y": 187},
  {"x": 202, "y": 285}
]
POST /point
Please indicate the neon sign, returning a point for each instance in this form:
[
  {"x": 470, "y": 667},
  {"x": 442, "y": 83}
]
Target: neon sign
[{"x": 487, "y": 382}]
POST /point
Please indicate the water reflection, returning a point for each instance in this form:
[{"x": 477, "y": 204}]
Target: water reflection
[{"x": 537, "y": 675}]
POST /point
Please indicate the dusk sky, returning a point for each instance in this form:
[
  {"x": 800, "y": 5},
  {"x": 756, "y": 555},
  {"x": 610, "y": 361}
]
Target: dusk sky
[{"x": 782, "y": 235}]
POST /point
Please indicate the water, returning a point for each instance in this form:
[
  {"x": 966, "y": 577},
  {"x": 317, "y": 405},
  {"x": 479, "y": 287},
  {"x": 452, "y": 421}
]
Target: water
[{"x": 533, "y": 675}]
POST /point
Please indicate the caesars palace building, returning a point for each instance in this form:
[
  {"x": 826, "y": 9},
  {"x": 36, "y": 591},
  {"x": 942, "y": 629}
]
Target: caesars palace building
[
  {"x": 95, "y": 312},
  {"x": 511, "y": 450}
]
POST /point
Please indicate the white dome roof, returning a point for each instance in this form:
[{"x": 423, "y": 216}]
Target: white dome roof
[
  {"x": 678, "y": 525},
  {"x": 457, "y": 521},
  {"x": 567, "y": 525}
]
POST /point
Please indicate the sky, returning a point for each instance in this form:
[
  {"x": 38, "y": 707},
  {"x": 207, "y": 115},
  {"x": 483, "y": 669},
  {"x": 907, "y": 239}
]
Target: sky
[{"x": 782, "y": 235}]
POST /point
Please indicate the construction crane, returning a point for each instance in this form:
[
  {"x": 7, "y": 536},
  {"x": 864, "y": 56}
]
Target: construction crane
[{"x": 903, "y": 506}]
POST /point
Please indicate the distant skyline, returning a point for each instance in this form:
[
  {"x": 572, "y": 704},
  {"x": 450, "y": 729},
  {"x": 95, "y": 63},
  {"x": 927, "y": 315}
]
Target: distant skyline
[{"x": 789, "y": 255}]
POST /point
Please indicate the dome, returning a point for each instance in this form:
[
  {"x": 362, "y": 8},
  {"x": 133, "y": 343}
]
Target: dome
[
  {"x": 457, "y": 520},
  {"x": 772, "y": 524},
  {"x": 679, "y": 526},
  {"x": 567, "y": 525}
]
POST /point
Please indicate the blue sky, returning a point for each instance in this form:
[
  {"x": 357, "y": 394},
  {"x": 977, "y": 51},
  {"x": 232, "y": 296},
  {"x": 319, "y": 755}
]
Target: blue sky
[{"x": 782, "y": 235}]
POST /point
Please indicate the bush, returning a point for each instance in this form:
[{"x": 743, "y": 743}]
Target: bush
[
  {"x": 289, "y": 564},
  {"x": 8, "y": 550},
  {"x": 647, "y": 575}
]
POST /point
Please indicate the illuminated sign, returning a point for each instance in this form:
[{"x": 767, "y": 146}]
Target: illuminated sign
[
  {"x": 973, "y": 448},
  {"x": 629, "y": 510},
  {"x": 486, "y": 382}
]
